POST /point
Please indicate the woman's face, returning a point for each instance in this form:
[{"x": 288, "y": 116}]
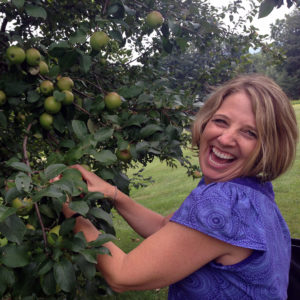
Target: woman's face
[{"x": 228, "y": 140}]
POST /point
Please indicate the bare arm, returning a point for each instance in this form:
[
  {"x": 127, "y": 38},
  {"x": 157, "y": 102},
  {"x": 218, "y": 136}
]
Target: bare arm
[
  {"x": 143, "y": 220},
  {"x": 167, "y": 256}
]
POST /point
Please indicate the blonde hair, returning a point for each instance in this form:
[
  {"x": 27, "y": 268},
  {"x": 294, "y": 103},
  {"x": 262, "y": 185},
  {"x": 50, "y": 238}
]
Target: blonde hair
[{"x": 275, "y": 120}]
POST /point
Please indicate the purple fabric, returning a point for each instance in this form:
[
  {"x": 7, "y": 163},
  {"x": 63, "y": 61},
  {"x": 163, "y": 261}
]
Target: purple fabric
[{"x": 241, "y": 212}]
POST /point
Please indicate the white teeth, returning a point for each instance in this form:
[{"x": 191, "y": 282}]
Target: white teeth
[{"x": 222, "y": 155}]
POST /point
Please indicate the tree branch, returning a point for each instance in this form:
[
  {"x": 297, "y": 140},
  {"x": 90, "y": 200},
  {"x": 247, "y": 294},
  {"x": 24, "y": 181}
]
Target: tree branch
[{"x": 37, "y": 210}]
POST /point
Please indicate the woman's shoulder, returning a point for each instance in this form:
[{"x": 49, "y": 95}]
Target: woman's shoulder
[{"x": 237, "y": 188}]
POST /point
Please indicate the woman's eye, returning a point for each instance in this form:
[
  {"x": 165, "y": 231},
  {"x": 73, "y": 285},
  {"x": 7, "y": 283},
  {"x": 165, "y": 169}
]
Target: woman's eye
[
  {"x": 219, "y": 121},
  {"x": 251, "y": 133}
]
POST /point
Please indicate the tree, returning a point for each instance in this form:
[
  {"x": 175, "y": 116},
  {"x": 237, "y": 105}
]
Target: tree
[
  {"x": 39, "y": 141},
  {"x": 285, "y": 33},
  {"x": 267, "y": 6}
]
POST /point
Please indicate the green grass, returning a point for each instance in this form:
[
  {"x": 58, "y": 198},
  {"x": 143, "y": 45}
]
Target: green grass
[{"x": 170, "y": 188}]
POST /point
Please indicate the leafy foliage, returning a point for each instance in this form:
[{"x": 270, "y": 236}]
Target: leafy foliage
[{"x": 158, "y": 72}]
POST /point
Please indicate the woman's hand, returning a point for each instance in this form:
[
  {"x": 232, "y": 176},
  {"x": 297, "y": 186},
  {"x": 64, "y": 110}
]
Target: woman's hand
[{"x": 95, "y": 183}]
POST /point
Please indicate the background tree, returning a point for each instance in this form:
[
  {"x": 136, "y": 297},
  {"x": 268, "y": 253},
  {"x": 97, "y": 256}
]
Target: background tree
[
  {"x": 286, "y": 33},
  {"x": 95, "y": 83}
]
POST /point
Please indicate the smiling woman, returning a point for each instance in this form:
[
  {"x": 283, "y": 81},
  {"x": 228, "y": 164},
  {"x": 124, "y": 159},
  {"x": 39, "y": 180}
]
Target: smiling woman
[{"x": 228, "y": 239}]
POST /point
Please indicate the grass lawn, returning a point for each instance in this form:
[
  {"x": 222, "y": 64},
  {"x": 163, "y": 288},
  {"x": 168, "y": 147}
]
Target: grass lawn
[{"x": 170, "y": 188}]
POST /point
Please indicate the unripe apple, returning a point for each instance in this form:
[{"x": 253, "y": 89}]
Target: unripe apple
[
  {"x": 65, "y": 83},
  {"x": 3, "y": 242},
  {"x": 2, "y": 98},
  {"x": 15, "y": 55},
  {"x": 112, "y": 100},
  {"x": 99, "y": 40},
  {"x": 46, "y": 87},
  {"x": 69, "y": 97},
  {"x": 44, "y": 69},
  {"x": 46, "y": 120},
  {"x": 33, "y": 57},
  {"x": 55, "y": 230},
  {"x": 23, "y": 206},
  {"x": 124, "y": 155},
  {"x": 51, "y": 105},
  {"x": 154, "y": 19},
  {"x": 30, "y": 227}
]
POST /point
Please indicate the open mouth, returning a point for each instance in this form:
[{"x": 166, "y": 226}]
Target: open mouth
[{"x": 220, "y": 158}]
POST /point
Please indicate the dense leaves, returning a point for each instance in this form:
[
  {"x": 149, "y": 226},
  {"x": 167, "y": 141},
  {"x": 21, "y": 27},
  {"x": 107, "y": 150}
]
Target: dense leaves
[{"x": 160, "y": 72}]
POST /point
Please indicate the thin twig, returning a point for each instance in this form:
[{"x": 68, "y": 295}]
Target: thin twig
[{"x": 37, "y": 210}]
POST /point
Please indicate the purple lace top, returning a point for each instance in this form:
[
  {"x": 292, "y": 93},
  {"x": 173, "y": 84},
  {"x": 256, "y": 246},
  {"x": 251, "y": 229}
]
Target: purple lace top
[{"x": 241, "y": 212}]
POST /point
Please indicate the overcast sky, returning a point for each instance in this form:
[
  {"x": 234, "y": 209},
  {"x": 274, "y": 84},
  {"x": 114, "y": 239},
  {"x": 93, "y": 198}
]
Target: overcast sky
[{"x": 262, "y": 24}]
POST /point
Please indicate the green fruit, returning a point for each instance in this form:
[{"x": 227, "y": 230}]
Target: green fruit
[
  {"x": 30, "y": 227},
  {"x": 44, "y": 69},
  {"x": 2, "y": 98},
  {"x": 15, "y": 55},
  {"x": 112, "y": 100},
  {"x": 102, "y": 61},
  {"x": 46, "y": 87},
  {"x": 69, "y": 97},
  {"x": 23, "y": 206},
  {"x": 124, "y": 155},
  {"x": 33, "y": 57},
  {"x": 21, "y": 117},
  {"x": 99, "y": 40},
  {"x": 46, "y": 120},
  {"x": 65, "y": 83},
  {"x": 3, "y": 242},
  {"x": 51, "y": 105},
  {"x": 154, "y": 19},
  {"x": 51, "y": 240}
]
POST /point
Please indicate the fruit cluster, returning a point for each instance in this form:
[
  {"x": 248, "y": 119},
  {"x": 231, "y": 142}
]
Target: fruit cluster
[{"x": 51, "y": 105}]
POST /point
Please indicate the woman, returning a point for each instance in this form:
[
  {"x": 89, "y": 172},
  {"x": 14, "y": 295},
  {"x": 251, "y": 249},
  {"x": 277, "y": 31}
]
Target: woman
[{"x": 228, "y": 239}]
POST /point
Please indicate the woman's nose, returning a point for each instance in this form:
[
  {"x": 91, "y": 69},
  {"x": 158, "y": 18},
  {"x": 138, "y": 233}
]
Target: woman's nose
[{"x": 227, "y": 137}]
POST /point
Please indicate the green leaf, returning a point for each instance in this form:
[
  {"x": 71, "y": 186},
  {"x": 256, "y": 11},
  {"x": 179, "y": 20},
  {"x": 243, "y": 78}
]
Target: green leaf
[
  {"x": 5, "y": 212},
  {"x": 33, "y": 96},
  {"x": 18, "y": 3},
  {"x": 78, "y": 37},
  {"x": 45, "y": 267},
  {"x": 51, "y": 191},
  {"x": 3, "y": 120},
  {"x": 80, "y": 129},
  {"x": 48, "y": 283},
  {"x": 20, "y": 166},
  {"x": 14, "y": 256},
  {"x": 102, "y": 239},
  {"x": 58, "y": 49},
  {"x": 59, "y": 96},
  {"x": 11, "y": 194},
  {"x": 65, "y": 275},
  {"x": 99, "y": 213},
  {"x": 85, "y": 62},
  {"x": 149, "y": 130},
  {"x": 266, "y": 7},
  {"x": 90, "y": 255},
  {"x": 23, "y": 182},
  {"x": 7, "y": 278},
  {"x": 130, "y": 91},
  {"x": 36, "y": 11},
  {"x": 87, "y": 268},
  {"x": 103, "y": 134},
  {"x": 54, "y": 170},
  {"x": 80, "y": 207},
  {"x": 13, "y": 229},
  {"x": 105, "y": 157}
]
